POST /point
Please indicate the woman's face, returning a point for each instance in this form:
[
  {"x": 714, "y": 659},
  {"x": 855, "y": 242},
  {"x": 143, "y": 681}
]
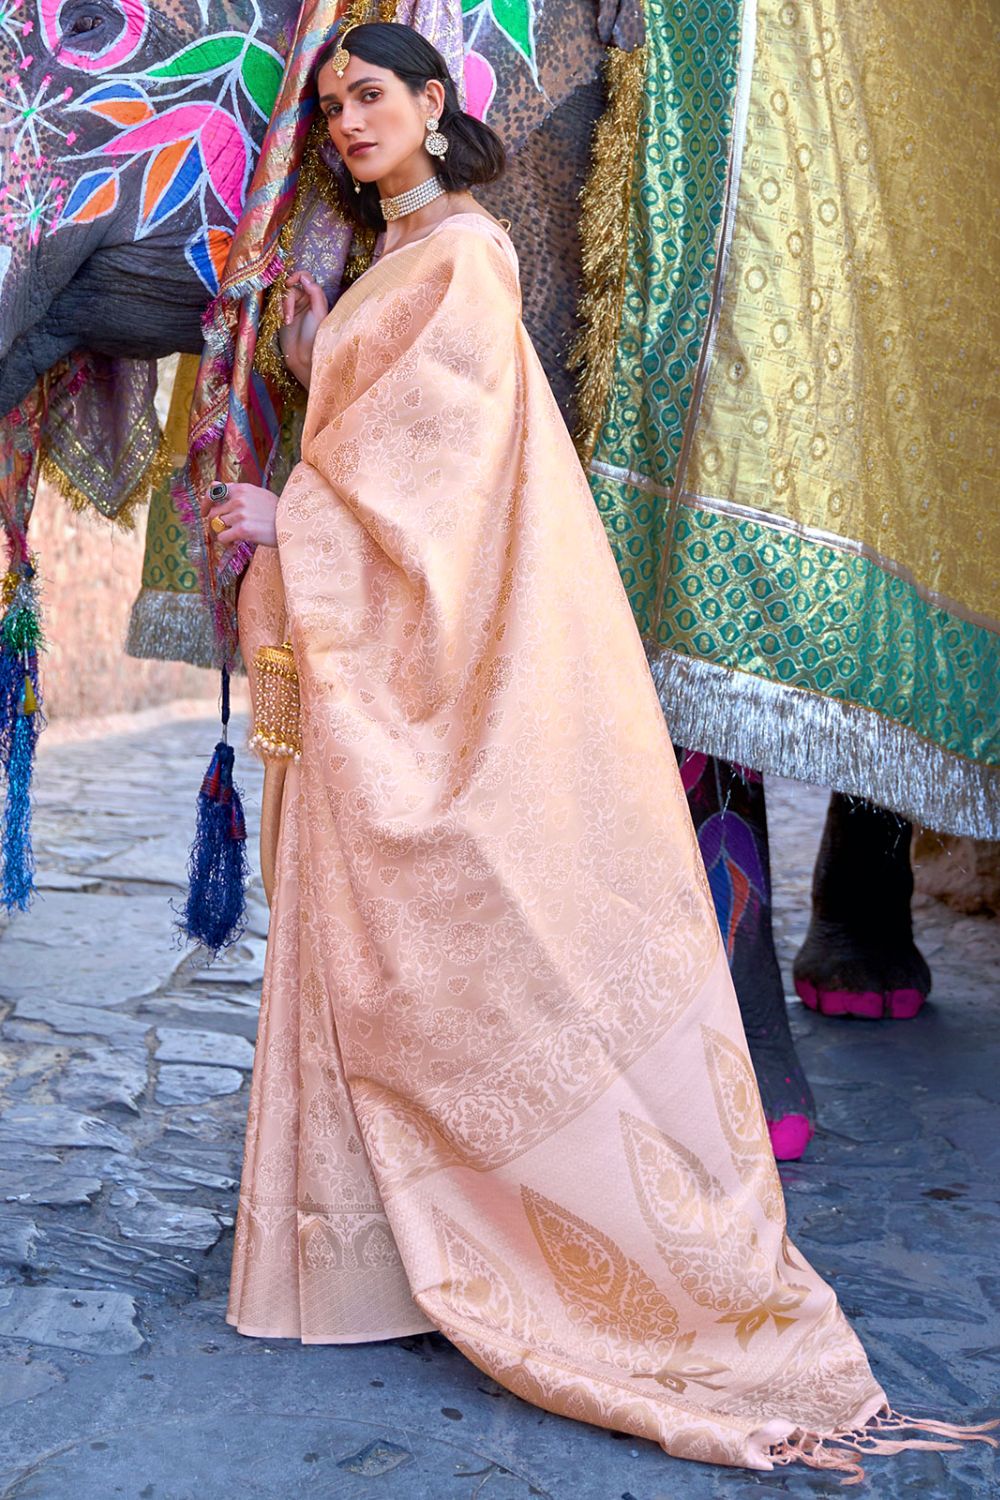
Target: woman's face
[{"x": 375, "y": 122}]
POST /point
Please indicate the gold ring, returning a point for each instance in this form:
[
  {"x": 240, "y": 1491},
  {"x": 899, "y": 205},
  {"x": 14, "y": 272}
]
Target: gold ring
[{"x": 217, "y": 524}]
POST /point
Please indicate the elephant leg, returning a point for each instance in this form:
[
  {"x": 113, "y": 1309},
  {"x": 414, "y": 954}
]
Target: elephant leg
[
  {"x": 859, "y": 958},
  {"x": 727, "y": 805}
]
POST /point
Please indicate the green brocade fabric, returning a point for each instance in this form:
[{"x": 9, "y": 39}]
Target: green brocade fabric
[
  {"x": 678, "y": 191},
  {"x": 746, "y": 596},
  {"x": 797, "y": 481},
  {"x": 167, "y": 563},
  {"x": 169, "y": 621}
]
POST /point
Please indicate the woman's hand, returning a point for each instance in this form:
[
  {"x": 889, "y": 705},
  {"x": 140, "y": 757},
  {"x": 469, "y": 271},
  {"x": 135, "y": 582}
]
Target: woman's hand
[
  {"x": 249, "y": 514},
  {"x": 304, "y": 306}
]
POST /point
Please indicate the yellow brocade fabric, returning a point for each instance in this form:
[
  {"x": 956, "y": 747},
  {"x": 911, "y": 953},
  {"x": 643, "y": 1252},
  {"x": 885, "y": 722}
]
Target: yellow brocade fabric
[
  {"x": 853, "y": 389},
  {"x": 501, "y": 1085}
]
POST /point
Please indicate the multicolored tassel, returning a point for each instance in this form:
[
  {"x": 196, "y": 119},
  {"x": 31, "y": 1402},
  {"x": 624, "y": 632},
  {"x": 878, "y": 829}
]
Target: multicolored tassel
[
  {"x": 215, "y": 910},
  {"x": 21, "y": 722}
]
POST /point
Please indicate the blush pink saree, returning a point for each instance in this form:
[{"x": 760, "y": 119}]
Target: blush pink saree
[{"x": 501, "y": 1087}]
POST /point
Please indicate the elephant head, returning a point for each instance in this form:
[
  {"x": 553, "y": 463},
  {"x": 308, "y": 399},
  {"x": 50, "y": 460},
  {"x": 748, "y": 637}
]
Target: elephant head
[{"x": 128, "y": 133}]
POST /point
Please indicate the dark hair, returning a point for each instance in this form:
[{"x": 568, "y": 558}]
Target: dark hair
[{"x": 475, "y": 152}]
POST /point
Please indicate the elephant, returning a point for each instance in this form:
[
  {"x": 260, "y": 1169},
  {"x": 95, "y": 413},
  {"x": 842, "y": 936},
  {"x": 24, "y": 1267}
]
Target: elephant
[
  {"x": 98, "y": 218},
  {"x": 116, "y": 212}
]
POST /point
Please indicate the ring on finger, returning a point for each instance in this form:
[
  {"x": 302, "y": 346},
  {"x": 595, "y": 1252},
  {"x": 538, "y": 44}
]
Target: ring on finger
[
  {"x": 217, "y": 492},
  {"x": 217, "y": 524}
]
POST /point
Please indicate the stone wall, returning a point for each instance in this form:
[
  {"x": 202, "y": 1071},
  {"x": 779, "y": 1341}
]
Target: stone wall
[{"x": 90, "y": 572}]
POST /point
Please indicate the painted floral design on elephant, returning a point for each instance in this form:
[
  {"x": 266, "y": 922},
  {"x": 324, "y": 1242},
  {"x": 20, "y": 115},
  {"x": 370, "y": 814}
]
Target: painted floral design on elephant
[
  {"x": 189, "y": 145},
  {"x": 189, "y": 122},
  {"x": 512, "y": 20}
]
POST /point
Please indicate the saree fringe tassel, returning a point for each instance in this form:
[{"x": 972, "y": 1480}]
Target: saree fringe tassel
[
  {"x": 604, "y": 230},
  {"x": 842, "y": 1451}
]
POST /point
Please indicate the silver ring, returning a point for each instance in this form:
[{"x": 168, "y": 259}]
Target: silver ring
[{"x": 218, "y": 491}]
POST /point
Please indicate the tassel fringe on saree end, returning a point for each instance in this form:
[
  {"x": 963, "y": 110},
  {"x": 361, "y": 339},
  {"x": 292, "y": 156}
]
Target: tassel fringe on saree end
[{"x": 843, "y": 1451}]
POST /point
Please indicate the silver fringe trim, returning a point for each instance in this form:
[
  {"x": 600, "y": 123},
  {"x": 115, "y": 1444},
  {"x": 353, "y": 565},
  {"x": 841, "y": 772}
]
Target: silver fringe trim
[
  {"x": 786, "y": 731},
  {"x": 165, "y": 626}
]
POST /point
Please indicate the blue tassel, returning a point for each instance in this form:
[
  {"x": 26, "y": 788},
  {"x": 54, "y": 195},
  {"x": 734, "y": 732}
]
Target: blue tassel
[
  {"x": 215, "y": 910},
  {"x": 20, "y": 723},
  {"x": 18, "y": 859},
  {"x": 11, "y": 688}
]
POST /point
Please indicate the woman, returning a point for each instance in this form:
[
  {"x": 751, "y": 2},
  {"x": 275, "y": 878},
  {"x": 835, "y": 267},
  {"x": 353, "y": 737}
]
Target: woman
[{"x": 501, "y": 1087}]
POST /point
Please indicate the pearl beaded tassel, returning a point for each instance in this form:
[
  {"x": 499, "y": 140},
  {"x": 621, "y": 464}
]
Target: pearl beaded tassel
[
  {"x": 276, "y": 728},
  {"x": 412, "y": 199}
]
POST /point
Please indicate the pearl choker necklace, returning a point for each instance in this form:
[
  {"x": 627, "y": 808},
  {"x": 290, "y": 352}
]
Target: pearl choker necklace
[{"x": 412, "y": 199}]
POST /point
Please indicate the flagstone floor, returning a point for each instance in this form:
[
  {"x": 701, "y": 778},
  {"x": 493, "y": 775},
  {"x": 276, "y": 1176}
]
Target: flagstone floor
[{"x": 124, "y": 1066}]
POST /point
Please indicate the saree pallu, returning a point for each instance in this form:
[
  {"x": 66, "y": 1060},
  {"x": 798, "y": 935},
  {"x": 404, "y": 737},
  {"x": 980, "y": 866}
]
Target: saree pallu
[
  {"x": 501, "y": 1086},
  {"x": 795, "y": 453}
]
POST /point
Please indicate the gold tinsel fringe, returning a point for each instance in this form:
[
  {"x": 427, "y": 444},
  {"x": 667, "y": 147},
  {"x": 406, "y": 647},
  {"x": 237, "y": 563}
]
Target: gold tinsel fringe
[
  {"x": 157, "y": 471},
  {"x": 604, "y": 227},
  {"x": 314, "y": 178}
]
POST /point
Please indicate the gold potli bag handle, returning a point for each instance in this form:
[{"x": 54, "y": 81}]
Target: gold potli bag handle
[{"x": 277, "y": 732}]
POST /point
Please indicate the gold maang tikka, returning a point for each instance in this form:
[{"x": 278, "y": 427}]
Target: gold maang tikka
[{"x": 340, "y": 60}]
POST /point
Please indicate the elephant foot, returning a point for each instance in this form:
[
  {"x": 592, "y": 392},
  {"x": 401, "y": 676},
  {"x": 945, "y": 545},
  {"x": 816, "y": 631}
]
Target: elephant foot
[
  {"x": 785, "y": 1094},
  {"x": 838, "y": 974},
  {"x": 869, "y": 1005}
]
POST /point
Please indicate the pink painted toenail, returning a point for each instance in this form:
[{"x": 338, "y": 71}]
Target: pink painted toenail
[
  {"x": 832, "y": 1003},
  {"x": 903, "y": 1005},
  {"x": 807, "y": 993},
  {"x": 868, "y": 1004},
  {"x": 789, "y": 1136}
]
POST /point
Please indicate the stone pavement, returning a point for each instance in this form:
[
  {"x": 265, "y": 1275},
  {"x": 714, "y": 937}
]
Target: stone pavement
[{"x": 124, "y": 1065}]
